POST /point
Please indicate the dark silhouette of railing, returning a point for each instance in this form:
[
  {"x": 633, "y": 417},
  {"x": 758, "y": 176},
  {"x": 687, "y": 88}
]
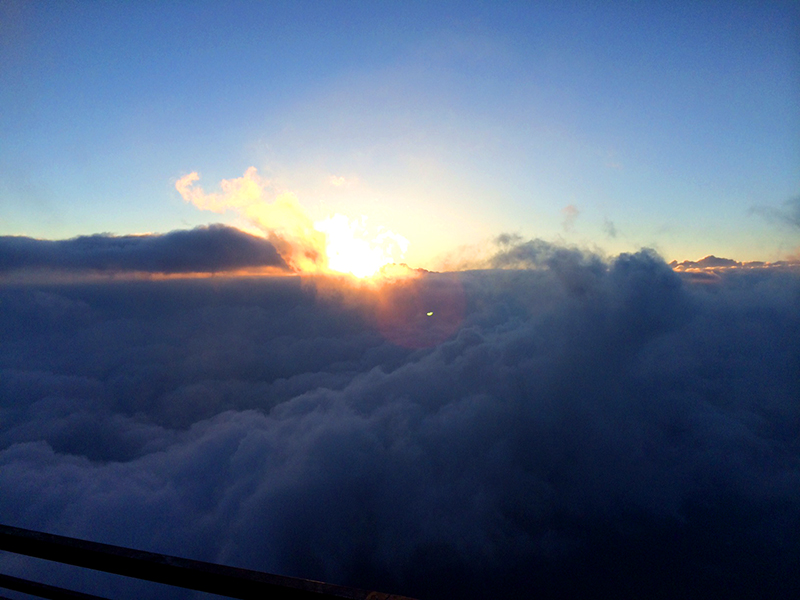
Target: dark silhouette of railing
[{"x": 161, "y": 568}]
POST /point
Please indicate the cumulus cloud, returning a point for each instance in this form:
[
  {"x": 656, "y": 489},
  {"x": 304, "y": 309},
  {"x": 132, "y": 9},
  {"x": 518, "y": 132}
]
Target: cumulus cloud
[
  {"x": 203, "y": 249},
  {"x": 337, "y": 243},
  {"x": 278, "y": 214},
  {"x": 560, "y": 425}
]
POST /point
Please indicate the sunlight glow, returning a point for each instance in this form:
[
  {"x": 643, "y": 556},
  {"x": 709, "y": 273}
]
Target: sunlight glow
[
  {"x": 352, "y": 248},
  {"x": 336, "y": 244}
]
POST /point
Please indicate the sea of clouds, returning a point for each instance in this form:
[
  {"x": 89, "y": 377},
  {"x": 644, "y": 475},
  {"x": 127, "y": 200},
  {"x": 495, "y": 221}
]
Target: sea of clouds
[{"x": 561, "y": 425}]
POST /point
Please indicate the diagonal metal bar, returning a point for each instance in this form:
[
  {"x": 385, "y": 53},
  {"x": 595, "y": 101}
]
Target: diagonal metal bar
[
  {"x": 172, "y": 570},
  {"x": 42, "y": 590}
]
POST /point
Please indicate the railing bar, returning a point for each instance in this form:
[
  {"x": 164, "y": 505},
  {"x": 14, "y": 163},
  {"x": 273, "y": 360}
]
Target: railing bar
[
  {"x": 161, "y": 568},
  {"x": 42, "y": 590}
]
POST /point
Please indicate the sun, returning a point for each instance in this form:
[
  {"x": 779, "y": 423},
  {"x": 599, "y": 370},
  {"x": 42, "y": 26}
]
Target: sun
[
  {"x": 337, "y": 244},
  {"x": 353, "y": 249}
]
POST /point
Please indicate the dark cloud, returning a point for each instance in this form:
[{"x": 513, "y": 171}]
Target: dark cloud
[
  {"x": 214, "y": 248},
  {"x": 561, "y": 427}
]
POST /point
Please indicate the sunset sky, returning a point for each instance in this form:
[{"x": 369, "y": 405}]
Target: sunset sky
[
  {"x": 608, "y": 126},
  {"x": 540, "y": 403}
]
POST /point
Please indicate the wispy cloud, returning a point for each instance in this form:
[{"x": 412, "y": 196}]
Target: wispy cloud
[
  {"x": 609, "y": 228},
  {"x": 788, "y": 213},
  {"x": 570, "y": 213},
  {"x": 340, "y": 181}
]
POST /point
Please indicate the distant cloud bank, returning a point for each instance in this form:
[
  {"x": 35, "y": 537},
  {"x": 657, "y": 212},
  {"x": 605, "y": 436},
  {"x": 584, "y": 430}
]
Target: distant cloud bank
[
  {"x": 215, "y": 248},
  {"x": 710, "y": 267},
  {"x": 558, "y": 425}
]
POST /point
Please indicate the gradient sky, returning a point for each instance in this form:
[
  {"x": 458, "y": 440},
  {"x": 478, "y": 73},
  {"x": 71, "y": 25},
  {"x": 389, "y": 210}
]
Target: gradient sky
[{"x": 668, "y": 125}]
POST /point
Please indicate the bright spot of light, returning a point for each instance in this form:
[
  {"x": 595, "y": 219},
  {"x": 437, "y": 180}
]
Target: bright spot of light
[
  {"x": 352, "y": 248},
  {"x": 336, "y": 244}
]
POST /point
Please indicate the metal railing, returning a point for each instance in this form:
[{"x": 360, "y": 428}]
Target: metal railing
[{"x": 161, "y": 568}]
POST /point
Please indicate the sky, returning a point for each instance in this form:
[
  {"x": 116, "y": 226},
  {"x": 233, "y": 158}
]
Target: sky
[
  {"x": 611, "y": 127},
  {"x": 584, "y": 382}
]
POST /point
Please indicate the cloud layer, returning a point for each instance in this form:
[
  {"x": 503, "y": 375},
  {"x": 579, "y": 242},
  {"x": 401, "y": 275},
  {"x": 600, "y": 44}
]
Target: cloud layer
[
  {"x": 569, "y": 428},
  {"x": 214, "y": 248}
]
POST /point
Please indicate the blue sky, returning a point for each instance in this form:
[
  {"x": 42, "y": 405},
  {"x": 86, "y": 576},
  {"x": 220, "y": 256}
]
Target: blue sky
[{"x": 611, "y": 126}]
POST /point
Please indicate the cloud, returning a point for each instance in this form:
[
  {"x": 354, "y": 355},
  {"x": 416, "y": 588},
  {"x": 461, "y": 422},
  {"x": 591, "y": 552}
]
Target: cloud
[
  {"x": 277, "y": 214},
  {"x": 706, "y": 269},
  {"x": 215, "y": 248},
  {"x": 709, "y": 262},
  {"x": 609, "y": 228},
  {"x": 571, "y": 427},
  {"x": 788, "y": 214},
  {"x": 341, "y": 181},
  {"x": 337, "y": 243},
  {"x": 570, "y": 213}
]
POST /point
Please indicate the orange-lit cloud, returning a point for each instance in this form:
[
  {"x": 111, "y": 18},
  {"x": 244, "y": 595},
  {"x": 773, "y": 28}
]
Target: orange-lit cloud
[
  {"x": 278, "y": 215},
  {"x": 336, "y": 243},
  {"x": 710, "y": 268}
]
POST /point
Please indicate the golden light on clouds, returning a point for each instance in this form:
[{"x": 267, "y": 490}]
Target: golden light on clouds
[
  {"x": 351, "y": 248},
  {"x": 335, "y": 244}
]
